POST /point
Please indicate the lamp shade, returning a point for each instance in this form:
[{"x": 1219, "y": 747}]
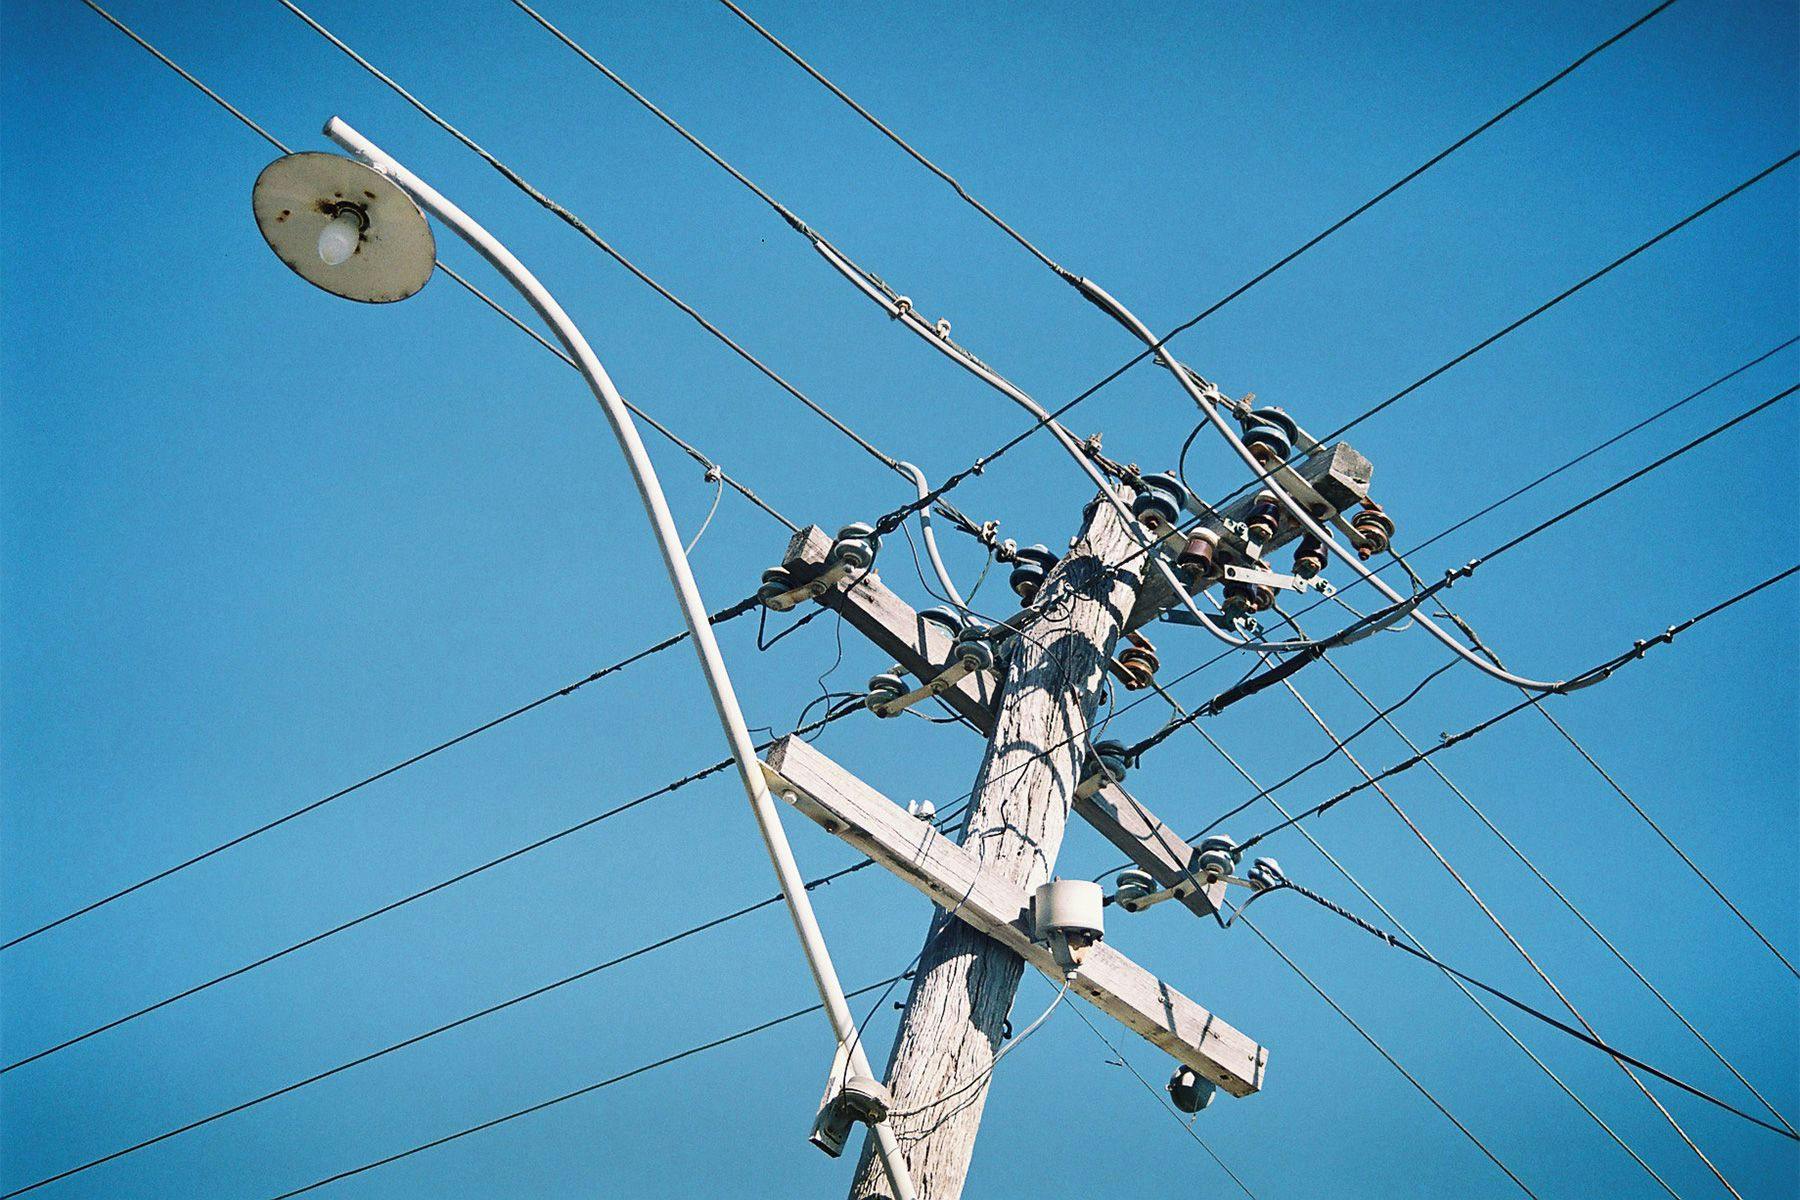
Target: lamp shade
[{"x": 310, "y": 206}]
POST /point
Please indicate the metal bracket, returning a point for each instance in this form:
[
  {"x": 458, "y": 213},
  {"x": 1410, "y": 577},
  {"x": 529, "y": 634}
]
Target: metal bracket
[
  {"x": 1180, "y": 891},
  {"x": 946, "y": 679},
  {"x": 813, "y": 588}
]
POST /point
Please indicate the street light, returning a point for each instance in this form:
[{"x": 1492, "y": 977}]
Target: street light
[{"x": 357, "y": 231}]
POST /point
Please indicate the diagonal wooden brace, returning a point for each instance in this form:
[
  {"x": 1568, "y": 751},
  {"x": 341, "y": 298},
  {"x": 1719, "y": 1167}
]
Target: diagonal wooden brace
[
  {"x": 875, "y": 611},
  {"x": 952, "y": 876}
]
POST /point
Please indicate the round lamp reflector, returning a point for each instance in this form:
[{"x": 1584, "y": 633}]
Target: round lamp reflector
[{"x": 310, "y": 205}]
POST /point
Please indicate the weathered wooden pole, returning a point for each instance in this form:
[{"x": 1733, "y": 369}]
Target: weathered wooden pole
[{"x": 963, "y": 990}]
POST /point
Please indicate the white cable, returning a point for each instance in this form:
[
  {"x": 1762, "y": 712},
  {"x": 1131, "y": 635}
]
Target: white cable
[
  {"x": 1005, "y": 387},
  {"x": 1208, "y": 405},
  {"x": 931, "y": 549}
]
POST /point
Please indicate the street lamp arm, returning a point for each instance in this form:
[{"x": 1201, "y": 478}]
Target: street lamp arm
[{"x": 687, "y": 592}]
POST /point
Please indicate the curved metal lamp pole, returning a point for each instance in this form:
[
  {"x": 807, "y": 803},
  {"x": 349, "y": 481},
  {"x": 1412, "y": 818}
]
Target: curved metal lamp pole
[{"x": 687, "y": 592}]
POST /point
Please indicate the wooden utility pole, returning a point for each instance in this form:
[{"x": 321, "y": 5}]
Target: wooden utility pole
[{"x": 952, "y": 1025}]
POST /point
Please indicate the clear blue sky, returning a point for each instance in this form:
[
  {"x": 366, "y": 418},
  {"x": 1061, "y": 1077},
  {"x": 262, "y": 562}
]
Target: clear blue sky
[{"x": 259, "y": 542}]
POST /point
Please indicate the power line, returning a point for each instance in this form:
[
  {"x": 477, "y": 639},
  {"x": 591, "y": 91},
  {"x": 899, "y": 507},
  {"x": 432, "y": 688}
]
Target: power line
[
  {"x": 1602, "y": 670},
  {"x": 1674, "y": 454},
  {"x": 1186, "y": 1126},
  {"x": 1571, "y": 290},
  {"x": 570, "y": 219},
  {"x": 1391, "y": 1060},
  {"x": 665, "y": 1061},
  {"x": 901, "y": 308},
  {"x": 1339, "y": 745},
  {"x": 718, "y": 618},
  {"x": 1673, "y": 845},
  {"x": 1505, "y": 932},
  {"x": 1642, "y": 815},
  {"x": 1658, "y": 415},
  {"x": 917, "y": 157},
  {"x": 681, "y": 443},
  {"x": 1286, "y": 669},
  {"x": 1455, "y": 982},
  {"x": 1318, "y": 648},
  {"x": 958, "y": 478},
  {"x": 415, "y": 1039},
  {"x": 1546, "y": 1018},
  {"x": 1070, "y": 277},
  {"x": 1567, "y": 903},
  {"x": 674, "y": 786}
]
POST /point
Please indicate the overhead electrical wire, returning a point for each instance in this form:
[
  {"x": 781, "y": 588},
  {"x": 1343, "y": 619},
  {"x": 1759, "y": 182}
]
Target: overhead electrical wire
[
  {"x": 591, "y": 1088},
  {"x": 415, "y": 1039},
  {"x": 1155, "y": 345},
  {"x": 1606, "y": 668},
  {"x": 1275, "y": 674},
  {"x": 899, "y": 308},
  {"x": 1255, "y": 683},
  {"x": 1391, "y": 1060},
  {"x": 1186, "y": 1126},
  {"x": 1071, "y": 278},
  {"x": 719, "y": 618},
  {"x": 1574, "y": 910},
  {"x": 1316, "y": 648},
  {"x": 666, "y": 789},
  {"x": 575, "y": 222},
  {"x": 1487, "y": 911},
  {"x": 258, "y": 129},
  {"x": 1654, "y": 417},
  {"x": 1605, "y": 1048},
  {"x": 1208, "y": 400},
  {"x": 1656, "y": 828},
  {"x": 681, "y": 443},
  {"x": 1356, "y": 883}
]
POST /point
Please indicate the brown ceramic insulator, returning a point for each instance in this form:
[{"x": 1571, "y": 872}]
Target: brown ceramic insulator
[
  {"x": 1240, "y": 598},
  {"x": 1262, "y": 597},
  {"x": 1263, "y": 519},
  {"x": 1138, "y": 666},
  {"x": 1375, "y": 527},
  {"x": 1310, "y": 557},
  {"x": 1198, "y": 557}
]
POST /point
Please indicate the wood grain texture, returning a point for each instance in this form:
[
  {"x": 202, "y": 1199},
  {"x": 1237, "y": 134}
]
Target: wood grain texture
[
  {"x": 950, "y": 1029},
  {"x": 874, "y": 610},
  {"x": 955, "y": 879}
]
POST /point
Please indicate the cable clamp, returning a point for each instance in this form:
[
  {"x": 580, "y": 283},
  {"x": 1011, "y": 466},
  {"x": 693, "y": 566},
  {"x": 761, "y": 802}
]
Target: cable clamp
[{"x": 714, "y": 473}]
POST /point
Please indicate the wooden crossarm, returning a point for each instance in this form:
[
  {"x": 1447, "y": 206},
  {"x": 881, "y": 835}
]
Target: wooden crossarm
[
  {"x": 953, "y": 878},
  {"x": 875, "y": 611}
]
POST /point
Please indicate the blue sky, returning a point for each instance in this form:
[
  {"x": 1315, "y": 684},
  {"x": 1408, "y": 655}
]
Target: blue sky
[{"x": 258, "y": 543}]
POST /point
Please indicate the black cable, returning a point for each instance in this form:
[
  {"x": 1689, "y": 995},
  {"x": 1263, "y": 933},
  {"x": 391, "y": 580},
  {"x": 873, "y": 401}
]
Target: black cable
[
  {"x": 1428, "y": 590},
  {"x": 956, "y": 479},
  {"x": 1601, "y": 671},
  {"x": 1277, "y": 674},
  {"x": 1069, "y": 277},
  {"x": 1581, "y": 1035},
  {"x": 718, "y": 618},
  {"x": 1338, "y": 745},
  {"x": 415, "y": 1039},
  {"x": 685, "y": 446},
  {"x": 664, "y": 790},
  {"x": 1658, "y": 415},
  {"x": 1547, "y": 305},
  {"x": 1391, "y": 1060},
  {"x": 570, "y": 219},
  {"x": 1639, "y": 473},
  {"x": 582, "y": 1091}
]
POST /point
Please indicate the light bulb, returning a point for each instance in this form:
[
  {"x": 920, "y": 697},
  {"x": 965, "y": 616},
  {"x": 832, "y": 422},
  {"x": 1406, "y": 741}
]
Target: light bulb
[{"x": 337, "y": 241}]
